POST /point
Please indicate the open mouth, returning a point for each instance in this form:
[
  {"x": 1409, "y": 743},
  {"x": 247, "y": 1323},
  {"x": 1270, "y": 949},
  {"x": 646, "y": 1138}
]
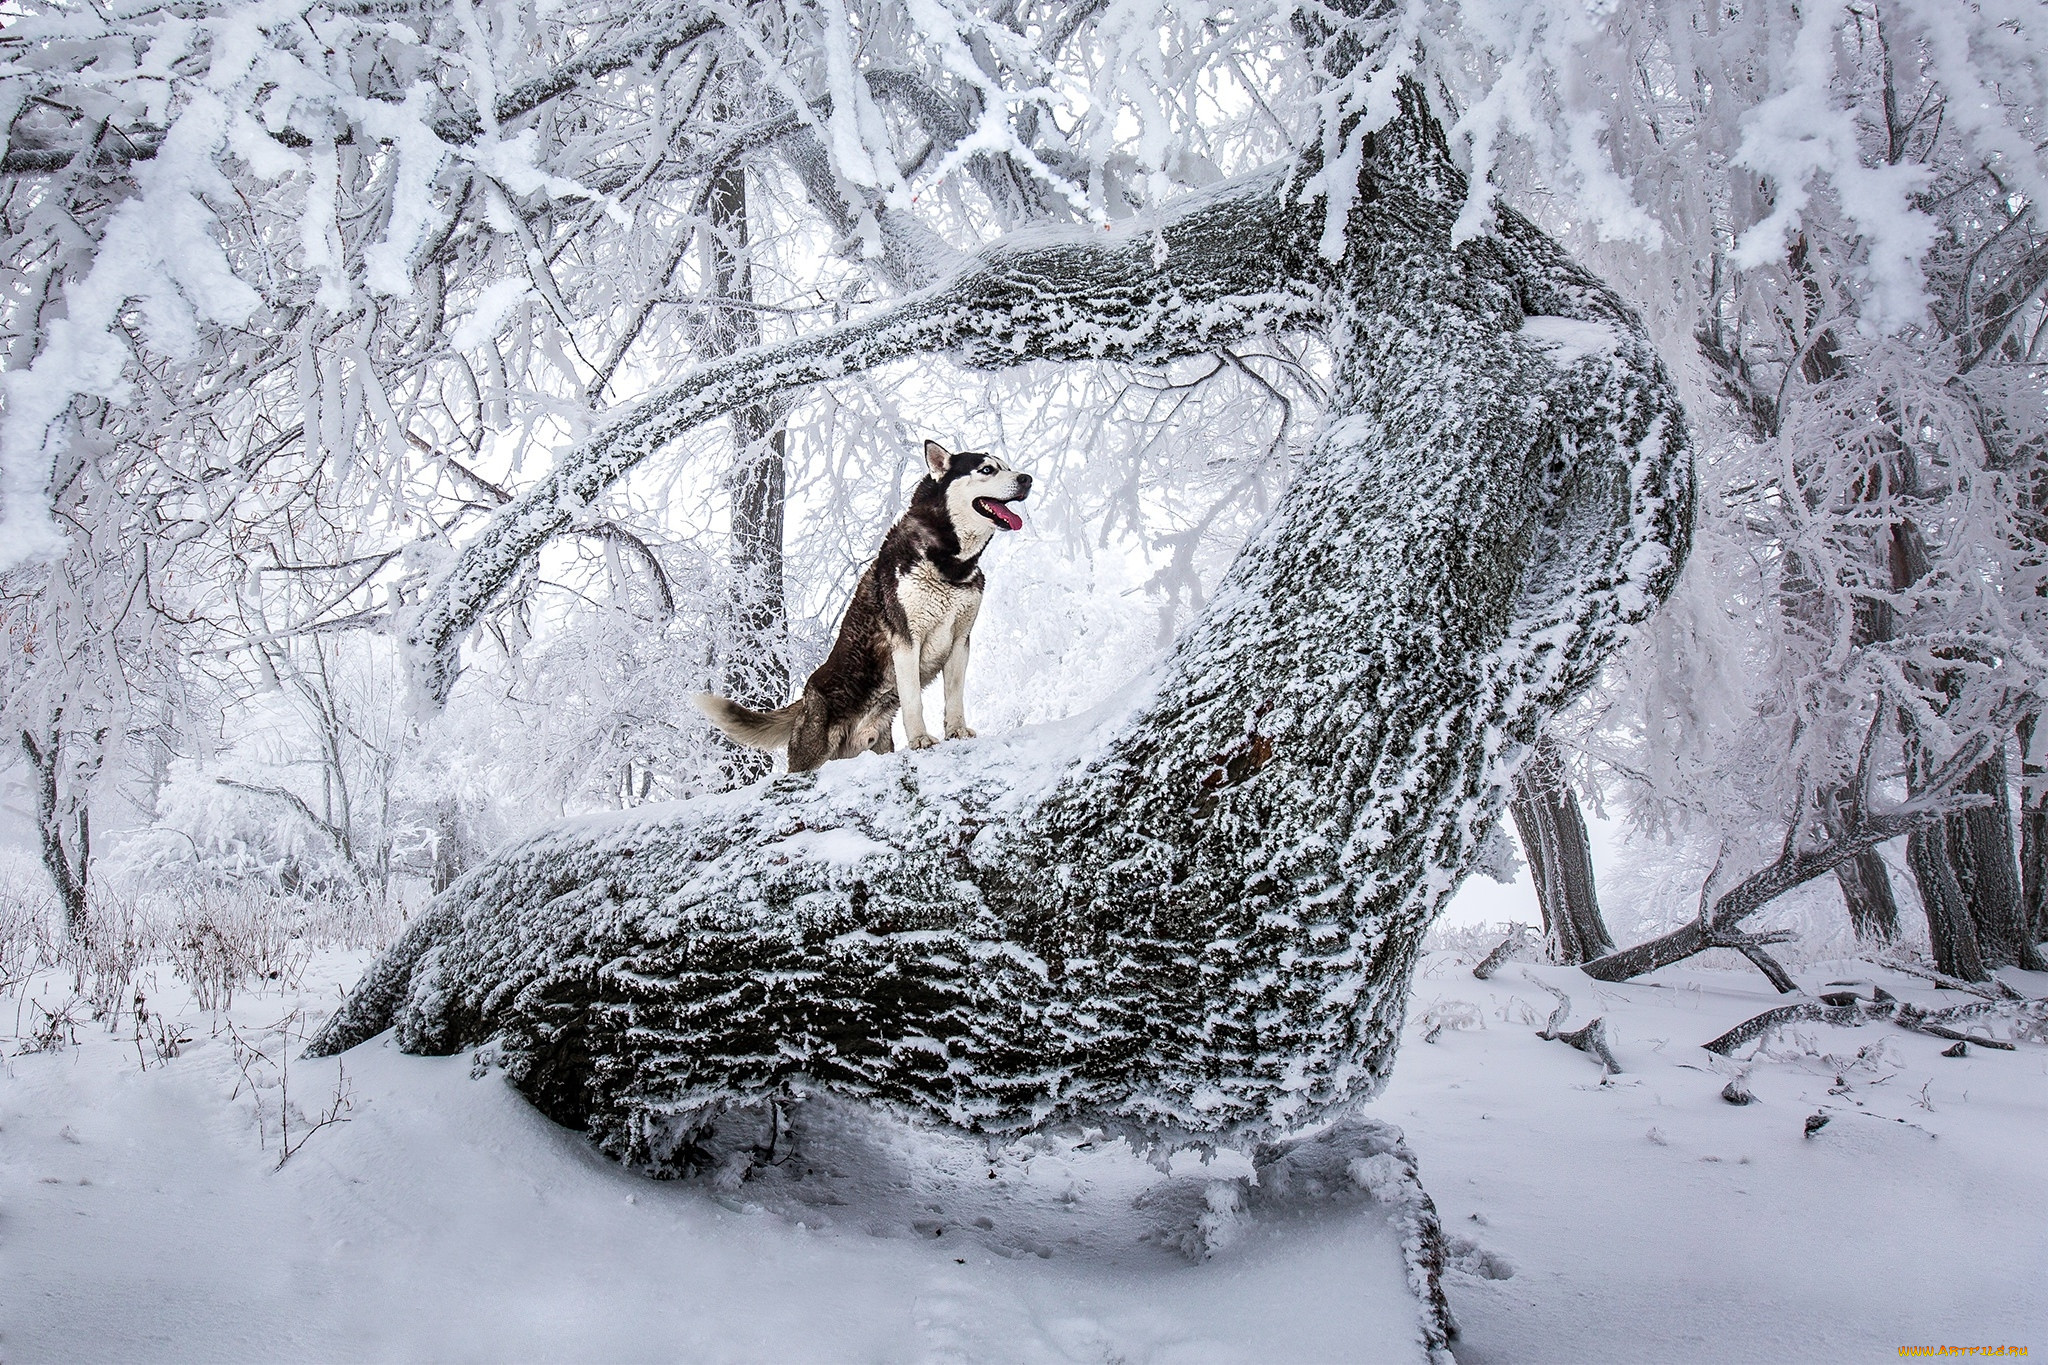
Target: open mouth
[{"x": 999, "y": 512}]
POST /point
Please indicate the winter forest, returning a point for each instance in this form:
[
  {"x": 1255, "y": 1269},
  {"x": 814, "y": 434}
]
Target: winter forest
[{"x": 1501, "y": 812}]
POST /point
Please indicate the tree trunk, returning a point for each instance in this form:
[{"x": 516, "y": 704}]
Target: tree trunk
[
  {"x": 754, "y": 668},
  {"x": 1950, "y": 930},
  {"x": 1207, "y": 923},
  {"x": 451, "y": 857},
  {"x": 1989, "y": 871},
  {"x": 2033, "y": 837},
  {"x": 1553, "y": 834},
  {"x": 68, "y": 866},
  {"x": 1867, "y": 890},
  {"x": 1864, "y": 879},
  {"x": 1970, "y": 855}
]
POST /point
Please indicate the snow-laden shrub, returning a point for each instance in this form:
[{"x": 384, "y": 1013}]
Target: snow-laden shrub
[
  {"x": 116, "y": 939},
  {"x": 226, "y": 836},
  {"x": 222, "y": 938},
  {"x": 29, "y": 917}
]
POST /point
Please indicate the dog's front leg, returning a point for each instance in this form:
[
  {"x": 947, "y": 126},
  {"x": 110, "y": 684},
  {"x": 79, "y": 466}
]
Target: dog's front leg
[
  {"x": 910, "y": 697},
  {"x": 956, "y": 690}
]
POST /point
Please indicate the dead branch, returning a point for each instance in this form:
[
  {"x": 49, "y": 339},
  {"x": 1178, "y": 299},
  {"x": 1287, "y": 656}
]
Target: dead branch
[
  {"x": 1993, "y": 989},
  {"x": 1769, "y": 966},
  {"x": 1558, "y": 1015},
  {"x": 1806, "y": 1011},
  {"x": 1590, "y": 1038},
  {"x": 298, "y": 803},
  {"x": 1862, "y": 829},
  {"x": 1506, "y": 949},
  {"x": 1852, "y": 1012},
  {"x": 1918, "y": 1021}
]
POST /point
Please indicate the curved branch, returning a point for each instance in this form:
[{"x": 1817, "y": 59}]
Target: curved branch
[
  {"x": 305, "y": 812},
  {"x": 618, "y": 535},
  {"x": 1046, "y": 297}
]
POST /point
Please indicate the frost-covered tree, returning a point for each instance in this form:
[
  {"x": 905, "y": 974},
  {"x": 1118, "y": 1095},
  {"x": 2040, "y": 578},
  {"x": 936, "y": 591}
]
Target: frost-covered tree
[
  {"x": 496, "y": 297},
  {"x": 1204, "y": 921},
  {"x": 1836, "y": 205}
]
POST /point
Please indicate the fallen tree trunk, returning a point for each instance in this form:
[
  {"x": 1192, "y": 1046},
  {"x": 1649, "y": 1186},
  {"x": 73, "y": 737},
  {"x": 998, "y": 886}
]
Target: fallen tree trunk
[
  {"x": 1206, "y": 923},
  {"x": 1934, "y": 1023}
]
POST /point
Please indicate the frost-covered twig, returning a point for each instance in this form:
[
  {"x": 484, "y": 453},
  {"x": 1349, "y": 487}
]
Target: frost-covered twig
[
  {"x": 1559, "y": 1014},
  {"x": 261, "y": 1071},
  {"x": 1590, "y": 1038}
]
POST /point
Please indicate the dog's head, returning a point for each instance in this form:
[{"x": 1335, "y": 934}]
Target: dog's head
[{"x": 976, "y": 488}]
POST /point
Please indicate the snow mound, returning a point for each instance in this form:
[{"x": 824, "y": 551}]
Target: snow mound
[{"x": 1581, "y": 1212}]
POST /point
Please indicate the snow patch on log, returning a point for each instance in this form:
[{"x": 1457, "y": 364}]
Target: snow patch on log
[{"x": 1571, "y": 339}]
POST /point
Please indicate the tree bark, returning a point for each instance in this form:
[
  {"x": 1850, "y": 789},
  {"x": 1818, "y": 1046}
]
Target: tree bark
[
  {"x": 1207, "y": 923},
  {"x": 1990, "y": 874},
  {"x": 1553, "y": 831},
  {"x": 69, "y": 862},
  {"x": 754, "y": 669},
  {"x": 1950, "y": 930},
  {"x": 1966, "y": 857},
  {"x": 2033, "y": 837},
  {"x": 1867, "y": 890}
]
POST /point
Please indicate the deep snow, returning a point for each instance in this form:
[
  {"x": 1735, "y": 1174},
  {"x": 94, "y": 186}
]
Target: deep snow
[{"x": 1644, "y": 1219}]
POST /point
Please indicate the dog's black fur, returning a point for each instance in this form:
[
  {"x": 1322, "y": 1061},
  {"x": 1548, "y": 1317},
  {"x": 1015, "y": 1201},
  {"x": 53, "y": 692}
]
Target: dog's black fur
[{"x": 928, "y": 562}]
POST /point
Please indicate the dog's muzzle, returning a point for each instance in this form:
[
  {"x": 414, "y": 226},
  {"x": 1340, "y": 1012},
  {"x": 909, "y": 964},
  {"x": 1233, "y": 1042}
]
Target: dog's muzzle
[{"x": 998, "y": 510}]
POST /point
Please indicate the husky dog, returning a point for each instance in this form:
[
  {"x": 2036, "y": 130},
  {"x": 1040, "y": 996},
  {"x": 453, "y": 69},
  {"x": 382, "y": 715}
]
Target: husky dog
[{"x": 909, "y": 621}]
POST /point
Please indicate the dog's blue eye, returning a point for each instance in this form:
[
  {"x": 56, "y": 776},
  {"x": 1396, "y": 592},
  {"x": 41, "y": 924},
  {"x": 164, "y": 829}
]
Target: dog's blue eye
[{"x": 988, "y": 469}]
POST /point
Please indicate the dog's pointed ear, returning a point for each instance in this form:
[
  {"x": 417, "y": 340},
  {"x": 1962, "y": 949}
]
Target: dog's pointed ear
[{"x": 937, "y": 459}]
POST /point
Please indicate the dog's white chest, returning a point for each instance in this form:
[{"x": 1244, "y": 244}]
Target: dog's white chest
[
  {"x": 939, "y": 614},
  {"x": 935, "y": 607}
]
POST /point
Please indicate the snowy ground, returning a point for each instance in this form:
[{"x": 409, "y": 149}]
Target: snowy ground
[
  {"x": 1649, "y": 1220},
  {"x": 448, "y": 1221},
  {"x": 1644, "y": 1219}
]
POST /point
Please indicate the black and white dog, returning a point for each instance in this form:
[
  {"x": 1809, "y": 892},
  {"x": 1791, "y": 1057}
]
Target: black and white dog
[{"x": 910, "y": 619}]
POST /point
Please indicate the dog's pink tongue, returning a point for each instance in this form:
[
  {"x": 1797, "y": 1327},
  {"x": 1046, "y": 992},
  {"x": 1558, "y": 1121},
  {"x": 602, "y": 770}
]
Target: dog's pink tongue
[{"x": 1010, "y": 520}]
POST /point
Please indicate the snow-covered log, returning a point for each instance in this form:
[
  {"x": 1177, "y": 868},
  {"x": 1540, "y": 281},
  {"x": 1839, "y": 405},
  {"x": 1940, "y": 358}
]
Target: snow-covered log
[{"x": 1202, "y": 920}]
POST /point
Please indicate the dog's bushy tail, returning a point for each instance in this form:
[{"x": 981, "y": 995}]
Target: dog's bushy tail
[{"x": 755, "y": 729}]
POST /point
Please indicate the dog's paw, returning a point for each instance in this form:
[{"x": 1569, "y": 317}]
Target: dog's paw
[
  {"x": 959, "y": 732},
  {"x": 924, "y": 742}
]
